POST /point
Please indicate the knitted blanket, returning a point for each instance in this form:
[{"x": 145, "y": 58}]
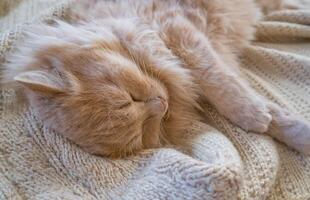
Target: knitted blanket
[{"x": 36, "y": 163}]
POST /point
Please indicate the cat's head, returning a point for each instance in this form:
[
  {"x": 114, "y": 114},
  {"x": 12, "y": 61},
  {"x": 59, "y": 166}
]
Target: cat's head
[{"x": 94, "y": 94}]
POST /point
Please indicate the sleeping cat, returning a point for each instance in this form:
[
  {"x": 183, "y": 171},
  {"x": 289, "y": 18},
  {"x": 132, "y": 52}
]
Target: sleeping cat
[{"x": 125, "y": 75}]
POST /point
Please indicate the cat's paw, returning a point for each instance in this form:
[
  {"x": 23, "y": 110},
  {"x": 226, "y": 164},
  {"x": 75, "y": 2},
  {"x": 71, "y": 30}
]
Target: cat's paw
[
  {"x": 252, "y": 116},
  {"x": 290, "y": 129},
  {"x": 297, "y": 135}
]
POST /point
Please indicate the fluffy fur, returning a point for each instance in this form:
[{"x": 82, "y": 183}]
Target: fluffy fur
[{"x": 126, "y": 75}]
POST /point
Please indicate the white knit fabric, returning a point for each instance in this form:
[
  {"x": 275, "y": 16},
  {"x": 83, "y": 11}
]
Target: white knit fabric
[{"x": 36, "y": 163}]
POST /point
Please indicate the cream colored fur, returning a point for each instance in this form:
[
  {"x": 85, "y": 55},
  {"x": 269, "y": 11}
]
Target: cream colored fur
[{"x": 172, "y": 54}]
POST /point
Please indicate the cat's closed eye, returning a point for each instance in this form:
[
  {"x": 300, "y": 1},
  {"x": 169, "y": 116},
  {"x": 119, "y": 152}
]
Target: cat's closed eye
[
  {"x": 135, "y": 98},
  {"x": 125, "y": 105}
]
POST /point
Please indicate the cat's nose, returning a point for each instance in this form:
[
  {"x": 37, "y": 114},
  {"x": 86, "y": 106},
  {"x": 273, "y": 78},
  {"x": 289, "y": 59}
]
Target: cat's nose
[
  {"x": 163, "y": 103},
  {"x": 159, "y": 105}
]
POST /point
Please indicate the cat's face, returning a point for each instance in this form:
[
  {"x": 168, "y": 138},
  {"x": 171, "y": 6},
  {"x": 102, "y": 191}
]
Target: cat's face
[{"x": 97, "y": 97}]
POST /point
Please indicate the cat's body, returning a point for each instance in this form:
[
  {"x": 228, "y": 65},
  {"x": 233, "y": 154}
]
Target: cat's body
[{"x": 131, "y": 74}]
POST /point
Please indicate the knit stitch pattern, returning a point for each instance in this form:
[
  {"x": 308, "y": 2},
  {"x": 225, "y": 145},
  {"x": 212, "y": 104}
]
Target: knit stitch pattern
[{"x": 36, "y": 163}]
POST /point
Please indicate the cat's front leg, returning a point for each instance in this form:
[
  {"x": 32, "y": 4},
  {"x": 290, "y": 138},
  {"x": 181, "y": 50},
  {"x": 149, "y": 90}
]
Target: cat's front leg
[
  {"x": 234, "y": 99},
  {"x": 219, "y": 83}
]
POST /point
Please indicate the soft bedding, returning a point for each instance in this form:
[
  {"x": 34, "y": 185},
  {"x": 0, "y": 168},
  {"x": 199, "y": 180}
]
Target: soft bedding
[{"x": 36, "y": 163}]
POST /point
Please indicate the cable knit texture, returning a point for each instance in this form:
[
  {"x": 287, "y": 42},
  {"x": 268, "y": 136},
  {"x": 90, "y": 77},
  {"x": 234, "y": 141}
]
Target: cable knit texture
[{"x": 36, "y": 163}]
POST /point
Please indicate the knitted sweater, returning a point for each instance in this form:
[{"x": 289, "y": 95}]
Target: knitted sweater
[{"x": 36, "y": 163}]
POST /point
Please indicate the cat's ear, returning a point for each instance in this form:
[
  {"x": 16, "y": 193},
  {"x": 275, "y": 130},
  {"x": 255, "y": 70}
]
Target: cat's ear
[{"x": 40, "y": 81}]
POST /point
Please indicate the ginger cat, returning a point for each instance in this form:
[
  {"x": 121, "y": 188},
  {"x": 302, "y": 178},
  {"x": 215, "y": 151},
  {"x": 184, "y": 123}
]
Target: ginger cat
[{"x": 125, "y": 75}]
